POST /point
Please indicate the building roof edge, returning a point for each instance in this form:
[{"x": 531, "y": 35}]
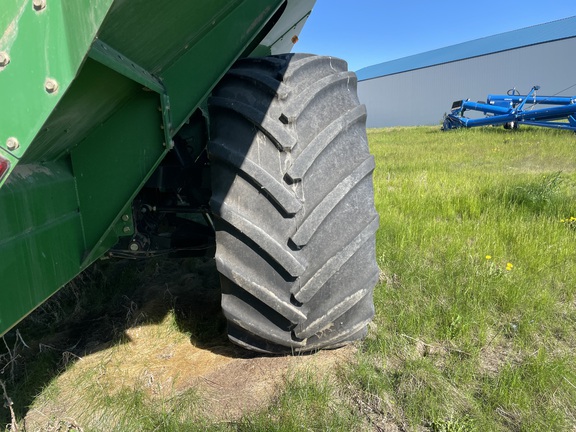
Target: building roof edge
[{"x": 533, "y": 35}]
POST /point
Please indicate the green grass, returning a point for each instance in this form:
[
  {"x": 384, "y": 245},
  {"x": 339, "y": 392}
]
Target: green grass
[
  {"x": 475, "y": 326},
  {"x": 305, "y": 403},
  {"x": 475, "y": 315}
]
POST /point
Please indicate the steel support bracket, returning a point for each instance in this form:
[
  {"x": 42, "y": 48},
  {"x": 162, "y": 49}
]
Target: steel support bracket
[{"x": 115, "y": 60}]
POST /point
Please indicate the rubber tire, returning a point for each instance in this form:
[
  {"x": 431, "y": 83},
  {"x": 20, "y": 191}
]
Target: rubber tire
[{"x": 294, "y": 204}]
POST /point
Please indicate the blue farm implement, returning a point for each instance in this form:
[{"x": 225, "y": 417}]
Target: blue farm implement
[{"x": 510, "y": 110}]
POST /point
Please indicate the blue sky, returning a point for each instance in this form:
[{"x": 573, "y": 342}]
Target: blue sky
[{"x": 367, "y": 32}]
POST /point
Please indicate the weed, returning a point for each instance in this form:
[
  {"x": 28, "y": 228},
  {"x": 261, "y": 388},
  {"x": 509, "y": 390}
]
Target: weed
[
  {"x": 464, "y": 424},
  {"x": 13, "y": 427},
  {"x": 570, "y": 222},
  {"x": 537, "y": 193}
]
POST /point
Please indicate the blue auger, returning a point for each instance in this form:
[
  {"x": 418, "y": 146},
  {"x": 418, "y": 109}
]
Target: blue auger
[{"x": 508, "y": 110}]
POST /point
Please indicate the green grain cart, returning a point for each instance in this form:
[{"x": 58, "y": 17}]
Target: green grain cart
[{"x": 132, "y": 128}]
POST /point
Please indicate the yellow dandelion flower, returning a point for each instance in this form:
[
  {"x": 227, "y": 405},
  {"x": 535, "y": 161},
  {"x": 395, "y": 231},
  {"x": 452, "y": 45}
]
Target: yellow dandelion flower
[
  {"x": 488, "y": 257},
  {"x": 509, "y": 266},
  {"x": 561, "y": 220}
]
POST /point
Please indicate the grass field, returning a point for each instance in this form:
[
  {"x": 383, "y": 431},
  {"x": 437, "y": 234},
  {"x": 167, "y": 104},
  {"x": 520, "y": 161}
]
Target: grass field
[
  {"x": 475, "y": 326},
  {"x": 476, "y": 313}
]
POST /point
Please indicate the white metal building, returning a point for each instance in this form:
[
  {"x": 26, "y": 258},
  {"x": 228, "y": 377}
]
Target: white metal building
[{"x": 419, "y": 89}]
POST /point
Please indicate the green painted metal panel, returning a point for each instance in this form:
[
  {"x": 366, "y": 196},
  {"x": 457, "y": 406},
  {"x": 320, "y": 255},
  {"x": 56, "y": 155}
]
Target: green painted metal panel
[
  {"x": 93, "y": 97},
  {"x": 155, "y": 33},
  {"x": 88, "y": 143},
  {"x": 40, "y": 246},
  {"x": 231, "y": 32},
  {"x": 43, "y": 47},
  {"x": 112, "y": 163}
]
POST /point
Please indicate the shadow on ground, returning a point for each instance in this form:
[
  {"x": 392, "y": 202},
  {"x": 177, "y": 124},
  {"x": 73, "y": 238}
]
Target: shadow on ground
[{"x": 97, "y": 311}]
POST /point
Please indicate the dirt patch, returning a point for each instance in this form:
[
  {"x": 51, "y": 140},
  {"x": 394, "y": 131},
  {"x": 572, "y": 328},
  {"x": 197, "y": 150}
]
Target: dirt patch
[
  {"x": 247, "y": 385},
  {"x": 497, "y": 355},
  {"x": 162, "y": 334},
  {"x": 229, "y": 385}
]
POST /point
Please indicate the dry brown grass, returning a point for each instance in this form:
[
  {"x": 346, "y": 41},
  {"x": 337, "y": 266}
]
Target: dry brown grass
[{"x": 161, "y": 357}]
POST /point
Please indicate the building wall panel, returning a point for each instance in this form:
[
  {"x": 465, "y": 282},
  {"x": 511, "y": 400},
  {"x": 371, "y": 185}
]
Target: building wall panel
[{"x": 421, "y": 97}]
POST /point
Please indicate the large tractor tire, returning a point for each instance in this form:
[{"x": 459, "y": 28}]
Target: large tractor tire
[{"x": 294, "y": 204}]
